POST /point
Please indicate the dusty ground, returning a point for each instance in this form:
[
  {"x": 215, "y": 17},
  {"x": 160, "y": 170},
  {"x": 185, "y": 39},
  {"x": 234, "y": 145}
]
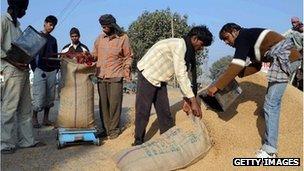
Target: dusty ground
[{"x": 235, "y": 133}]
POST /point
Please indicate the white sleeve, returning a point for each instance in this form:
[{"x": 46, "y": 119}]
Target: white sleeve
[{"x": 181, "y": 69}]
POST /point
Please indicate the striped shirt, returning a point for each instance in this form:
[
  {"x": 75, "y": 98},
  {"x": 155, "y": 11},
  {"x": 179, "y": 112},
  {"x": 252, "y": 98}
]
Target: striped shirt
[
  {"x": 163, "y": 60},
  {"x": 114, "y": 56},
  {"x": 280, "y": 70}
]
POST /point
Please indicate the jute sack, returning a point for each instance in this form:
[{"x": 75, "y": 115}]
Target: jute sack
[
  {"x": 77, "y": 96},
  {"x": 174, "y": 149}
]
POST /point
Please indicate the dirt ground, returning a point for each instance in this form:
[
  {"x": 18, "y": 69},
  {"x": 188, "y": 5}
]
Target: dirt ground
[{"x": 235, "y": 133}]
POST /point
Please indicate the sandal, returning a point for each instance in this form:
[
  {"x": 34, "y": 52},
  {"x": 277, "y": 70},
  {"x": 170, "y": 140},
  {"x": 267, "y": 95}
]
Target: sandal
[
  {"x": 8, "y": 150},
  {"x": 48, "y": 123},
  {"x": 36, "y": 125}
]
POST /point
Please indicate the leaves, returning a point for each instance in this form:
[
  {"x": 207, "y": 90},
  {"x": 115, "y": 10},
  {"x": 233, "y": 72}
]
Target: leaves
[
  {"x": 151, "y": 27},
  {"x": 219, "y": 67}
]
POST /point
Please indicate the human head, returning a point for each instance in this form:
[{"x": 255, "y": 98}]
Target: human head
[
  {"x": 296, "y": 24},
  {"x": 75, "y": 35},
  {"x": 200, "y": 37},
  {"x": 108, "y": 24},
  {"x": 17, "y": 8},
  {"x": 49, "y": 23},
  {"x": 229, "y": 33}
]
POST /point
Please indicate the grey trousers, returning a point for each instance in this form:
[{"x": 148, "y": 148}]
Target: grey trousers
[
  {"x": 146, "y": 95},
  {"x": 16, "y": 106},
  {"x": 44, "y": 88},
  {"x": 110, "y": 104}
]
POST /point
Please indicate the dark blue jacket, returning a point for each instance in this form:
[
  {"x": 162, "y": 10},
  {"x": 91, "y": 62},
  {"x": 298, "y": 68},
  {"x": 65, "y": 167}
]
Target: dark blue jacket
[{"x": 42, "y": 60}]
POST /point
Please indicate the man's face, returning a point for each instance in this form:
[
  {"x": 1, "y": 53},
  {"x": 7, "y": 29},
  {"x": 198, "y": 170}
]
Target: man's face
[
  {"x": 75, "y": 38},
  {"x": 106, "y": 29},
  {"x": 297, "y": 25},
  {"x": 229, "y": 38},
  {"x": 48, "y": 27},
  {"x": 197, "y": 43}
]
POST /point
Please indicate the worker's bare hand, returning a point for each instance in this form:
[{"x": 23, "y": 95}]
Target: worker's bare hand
[
  {"x": 186, "y": 107},
  {"x": 212, "y": 90},
  {"x": 195, "y": 107}
]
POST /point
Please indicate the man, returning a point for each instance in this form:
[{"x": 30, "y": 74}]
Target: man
[
  {"x": 15, "y": 95},
  {"x": 114, "y": 57},
  {"x": 260, "y": 45},
  {"x": 296, "y": 34},
  {"x": 45, "y": 70},
  {"x": 75, "y": 45},
  {"x": 166, "y": 58}
]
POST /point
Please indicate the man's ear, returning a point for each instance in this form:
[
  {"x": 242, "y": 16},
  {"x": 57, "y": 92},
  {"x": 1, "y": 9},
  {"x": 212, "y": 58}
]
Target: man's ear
[
  {"x": 194, "y": 38},
  {"x": 235, "y": 33}
]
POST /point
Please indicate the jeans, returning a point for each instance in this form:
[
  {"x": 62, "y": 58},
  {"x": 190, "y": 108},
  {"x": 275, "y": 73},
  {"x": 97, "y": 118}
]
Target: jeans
[{"x": 272, "y": 106}]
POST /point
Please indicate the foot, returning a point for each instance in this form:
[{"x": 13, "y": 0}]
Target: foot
[
  {"x": 8, "y": 150},
  {"x": 35, "y": 123},
  {"x": 113, "y": 135},
  {"x": 264, "y": 154},
  {"x": 47, "y": 123},
  {"x": 137, "y": 142}
]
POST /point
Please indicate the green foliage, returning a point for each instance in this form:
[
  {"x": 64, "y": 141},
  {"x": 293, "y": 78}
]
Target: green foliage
[
  {"x": 219, "y": 67},
  {"x": 201, "y": 57},
  {"x": 151, "y": 27}
]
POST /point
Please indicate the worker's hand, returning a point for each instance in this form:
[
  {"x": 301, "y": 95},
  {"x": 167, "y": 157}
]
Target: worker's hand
[
  {"x": 86, "y": 54},
  {"x": 195, "y": 107},
  {"x": 186, "y": 107},
  {"x": 20, "y": 66},
  {"x": 212, "y": 90},
  {"x": 127, "y": 75}
]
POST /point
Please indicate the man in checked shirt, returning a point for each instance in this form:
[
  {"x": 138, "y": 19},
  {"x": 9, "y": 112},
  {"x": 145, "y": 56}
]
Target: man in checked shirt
[
  {"x": 114, "y": 57},
  {"x": 166, "y": 58},
  {"x": 260, "y": 45}
]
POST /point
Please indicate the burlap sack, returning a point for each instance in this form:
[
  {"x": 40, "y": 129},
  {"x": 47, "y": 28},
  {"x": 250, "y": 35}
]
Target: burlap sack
[
  {"x": 77, "y": 96},
  {"x": 174, "y": 149}
]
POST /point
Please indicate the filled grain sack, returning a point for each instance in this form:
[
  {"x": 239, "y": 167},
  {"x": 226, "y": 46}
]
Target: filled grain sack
[
  {"x": 76, "y": 108},
  {"x": 174, "y": 149}
]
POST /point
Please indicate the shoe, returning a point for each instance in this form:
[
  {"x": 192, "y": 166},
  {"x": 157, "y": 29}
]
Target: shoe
[
  {"x": 137, "y": 142},
  {"x": 264, "y": 154},
  {"x": 113, "y": 136},
  {"x": 47, "y": 123},
  {"x": 36, "y": 125},
  {"x": 8, "y": 150}
]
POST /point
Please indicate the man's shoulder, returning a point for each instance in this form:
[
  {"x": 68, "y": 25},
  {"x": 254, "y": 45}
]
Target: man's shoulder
[
  {"x": 52, "y": 38},
  {"x": 84, "y": 46},
  {"x": 66, "y": 46}
]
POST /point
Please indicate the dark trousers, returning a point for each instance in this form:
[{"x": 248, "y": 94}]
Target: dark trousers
[
  {"x": 110, "y": 104},
  {"x": 145, "y": 96}
]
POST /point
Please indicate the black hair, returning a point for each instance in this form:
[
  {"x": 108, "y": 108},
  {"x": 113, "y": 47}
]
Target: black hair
[
  {"x": 202, "y": 32},
  {"x": 16, "y": 8},
  {"x": 51, "y": 19},
  {"x": 229, "y": 28},
  {"x": 74, "y": 30}
]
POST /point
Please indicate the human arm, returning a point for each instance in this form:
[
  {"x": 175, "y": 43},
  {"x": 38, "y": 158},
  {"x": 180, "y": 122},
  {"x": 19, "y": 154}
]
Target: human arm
[{"x": 128, "y": 58}]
